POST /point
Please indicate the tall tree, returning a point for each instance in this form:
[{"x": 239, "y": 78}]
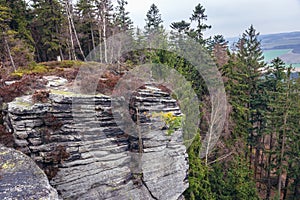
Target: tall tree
[
  {"x": 250, "y": 56},
  {"x": 218, "y": 47},
  {"x": 283, "y": 126},
  {"x": 181, "y": 27},
  {"x": 121, "y": 18},
  {"x": 274, "y": 82},
  {"x": 153, "y": 20},
  {"x": 15, "y": 36},
  {"x": 199, "y": 17},
  {"x": 72, "y": 28},
  {"x": 86, "y": 24},
  {"x": 46, "y": 27},
  {"x": 21, "y": 19},
  {"x": 5, "y": 18},
  {"x": 104, "y": 17}
]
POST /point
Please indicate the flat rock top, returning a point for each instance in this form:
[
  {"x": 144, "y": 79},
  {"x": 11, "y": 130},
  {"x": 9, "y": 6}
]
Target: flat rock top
[{"x": 21, "y": 178}]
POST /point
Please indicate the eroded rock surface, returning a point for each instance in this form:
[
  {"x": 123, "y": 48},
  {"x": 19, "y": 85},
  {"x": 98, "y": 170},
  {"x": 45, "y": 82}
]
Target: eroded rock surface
[
  {"x": 88, "y": 156},
  {"x": 21, "y": 178}
]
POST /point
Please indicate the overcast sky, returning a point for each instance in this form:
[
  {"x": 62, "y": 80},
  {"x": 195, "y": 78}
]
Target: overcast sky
[{"x": 227, "y": 17}]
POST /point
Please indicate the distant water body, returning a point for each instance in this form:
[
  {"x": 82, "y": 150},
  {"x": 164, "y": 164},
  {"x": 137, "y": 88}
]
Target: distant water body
[{"x": 269, "y": 55}]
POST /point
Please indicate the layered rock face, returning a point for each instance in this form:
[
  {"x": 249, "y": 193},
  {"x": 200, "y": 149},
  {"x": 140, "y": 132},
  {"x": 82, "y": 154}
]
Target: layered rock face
[
  {"x": 88, "y": 156},
  {"x": 21, "y": 178}
]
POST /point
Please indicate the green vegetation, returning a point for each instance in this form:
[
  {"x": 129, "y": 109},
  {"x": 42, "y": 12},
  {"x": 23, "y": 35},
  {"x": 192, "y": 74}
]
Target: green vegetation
[
  {"x": 171, "y": 121},
  {"x": 31, "y": 69},
  {"x": 257, "y": 156},
  {"x": 47, "y": 67}
]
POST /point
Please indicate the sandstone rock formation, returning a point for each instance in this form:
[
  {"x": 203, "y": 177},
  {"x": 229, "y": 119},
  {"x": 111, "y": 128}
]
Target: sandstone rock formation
[
  {"x": 88, "y": 156},
  {"x": 21, "y": 178}
]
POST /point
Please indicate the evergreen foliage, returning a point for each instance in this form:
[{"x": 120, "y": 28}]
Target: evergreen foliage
[{"x": 153, "y": 20}]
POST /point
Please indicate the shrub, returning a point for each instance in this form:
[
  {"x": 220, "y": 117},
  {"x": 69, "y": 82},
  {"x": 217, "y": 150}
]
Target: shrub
[
  {"x": 40, "y": 96},
  {"x": 172, "y": 122}
]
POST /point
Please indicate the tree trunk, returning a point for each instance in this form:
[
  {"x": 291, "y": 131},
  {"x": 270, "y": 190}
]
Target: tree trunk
[
  {"x": 104, "y": 24},
  {"x": 93, "y": 41},
  {"x": 60, "y": 50},
  {"x": 286, "y": 109},
  {"x": 139, "y": 131},
  {"x": 296, "y": 192},
  {"x": 74, "y": 29},
  {"x": 100, "y": 43},
  {"x": 9, "y": 52},
  {"x": 72, "y": 54},
  {"x": 286, "y": 184},
  {"x": 269, "y": 168}
]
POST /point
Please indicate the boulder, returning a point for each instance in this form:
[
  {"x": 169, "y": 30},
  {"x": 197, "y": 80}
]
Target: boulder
[{"x": 21, "y": 178}]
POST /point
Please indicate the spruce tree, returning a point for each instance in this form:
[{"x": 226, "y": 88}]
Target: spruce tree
[
  {"x": 21, "y": 19},
  {"x": 275, "y": 79},
  {"x": 5, "y": 18},
  {"x": 250, "y": 56},
  {"x": 283, "y": 127}
]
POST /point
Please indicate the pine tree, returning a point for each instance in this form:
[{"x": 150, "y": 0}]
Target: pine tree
[
  {"x": 121, "y": 18},
  {"x": 46, "y": 27},
  {"x": 86, "y": 25},
  {"x": 153, "y": 20},
  {"x": 16, "y": 50},
  {"x": 179, "y": 33},
  {"x": 181, "y": 27},
  {"x": 199, "y": 17}
]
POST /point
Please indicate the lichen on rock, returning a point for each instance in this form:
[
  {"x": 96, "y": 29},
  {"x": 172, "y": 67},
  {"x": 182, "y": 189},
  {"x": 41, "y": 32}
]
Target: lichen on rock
[{"x": 21, "y": 178}]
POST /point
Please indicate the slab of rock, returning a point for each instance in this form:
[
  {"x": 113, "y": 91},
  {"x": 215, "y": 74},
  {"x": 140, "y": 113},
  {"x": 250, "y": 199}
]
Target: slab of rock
[
  {"x": 77, "y": 137},
  {"x": 21, "y": 178}
]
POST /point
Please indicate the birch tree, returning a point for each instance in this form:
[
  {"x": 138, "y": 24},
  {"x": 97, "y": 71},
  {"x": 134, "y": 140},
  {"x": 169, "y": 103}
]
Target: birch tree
[
  {"x": 104, "y": 14},
  {"x": 72, "y": 28}
]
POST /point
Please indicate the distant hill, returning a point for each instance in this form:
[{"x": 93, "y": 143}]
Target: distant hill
[
  {"x": 281, "y": 41},
  {"x": 276, "y": 41},
  {"x": 283, "y": 45}
]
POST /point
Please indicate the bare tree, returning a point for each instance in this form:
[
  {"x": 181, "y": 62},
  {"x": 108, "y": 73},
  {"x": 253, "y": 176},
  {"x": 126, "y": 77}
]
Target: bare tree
[
  {"x": 216, "y": 121},
  {"x": 104, "y": 13},
  {"x": 72, "y": 29}
]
